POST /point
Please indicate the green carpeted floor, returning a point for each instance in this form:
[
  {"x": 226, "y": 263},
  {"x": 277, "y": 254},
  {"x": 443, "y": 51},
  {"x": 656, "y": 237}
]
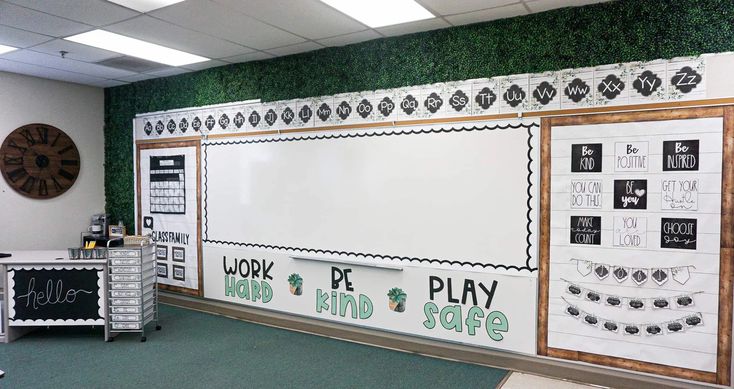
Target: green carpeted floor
[{"x": 199, "y": 350}]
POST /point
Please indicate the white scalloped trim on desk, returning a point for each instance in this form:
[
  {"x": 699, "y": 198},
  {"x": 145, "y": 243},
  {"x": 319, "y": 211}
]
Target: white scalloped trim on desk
[
  {"x": 100, "y": 300},
  {"x": 11, "y": 294},
  {"x": 66, "y": 322},
  {"x": 65, "y": 267}
]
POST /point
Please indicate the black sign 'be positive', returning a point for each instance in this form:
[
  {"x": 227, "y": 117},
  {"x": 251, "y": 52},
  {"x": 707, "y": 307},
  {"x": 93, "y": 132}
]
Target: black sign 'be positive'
[
  {"x": 586, "y": 158},
  {"x": 680, "y": 155},
  {"x": 56, "y": 294},
  {"x": 678, "y": 233},
  {"x": 586, "y": 230}
]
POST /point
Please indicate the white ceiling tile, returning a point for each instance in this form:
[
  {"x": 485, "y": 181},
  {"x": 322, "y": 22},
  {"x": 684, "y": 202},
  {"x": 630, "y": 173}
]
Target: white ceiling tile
[
  {"x": 108, "y": 83},
  {"x": 39, "y": 22},
  {"x": 44, "y": 72},
  {"x": 295, "y": 49},
  {"x": 171, "y": 71},
  {"x": 547, "y": 5},
  {"x": 412, "y": 27},
  {"x": 20, "y": 38},
  {"x": 136, "y": 77},
  {"x": 204, "y": 65},
  {"x": 94, "y": 12},
  {"x": 349, "y": 39},
  {"x": 488, "y": 14},
  {"x": 56, "y": 62},
  {"x": 218, "y": 20},
  {"x": 256, "y": 56},
  {"x": 308, "y": 18},
  {"x": 75, "y": 50},
  {"x": 443, "y": 7},
  {"x": 170, "y": 35},
  {"x": 145, "y": 5}
]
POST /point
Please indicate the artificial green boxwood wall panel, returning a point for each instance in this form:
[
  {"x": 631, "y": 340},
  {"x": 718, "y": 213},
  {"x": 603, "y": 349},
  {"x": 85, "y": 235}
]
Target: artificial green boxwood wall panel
[{"x": 612, "y": 32}]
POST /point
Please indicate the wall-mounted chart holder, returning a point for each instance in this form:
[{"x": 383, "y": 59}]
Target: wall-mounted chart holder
[{"x": 347, "y": 262}]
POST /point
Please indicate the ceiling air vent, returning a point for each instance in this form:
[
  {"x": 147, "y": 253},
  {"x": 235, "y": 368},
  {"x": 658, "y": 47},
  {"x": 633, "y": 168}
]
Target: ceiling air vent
[{"x": 133, "y": 64}]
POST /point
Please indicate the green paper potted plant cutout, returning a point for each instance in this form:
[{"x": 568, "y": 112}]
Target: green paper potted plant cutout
[
  {"x": 397, "y": 299},
  {"x": 296, "y": 284}
]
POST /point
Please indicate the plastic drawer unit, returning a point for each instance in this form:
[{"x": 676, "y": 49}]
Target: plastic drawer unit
[{"x": 133, "y": 292}]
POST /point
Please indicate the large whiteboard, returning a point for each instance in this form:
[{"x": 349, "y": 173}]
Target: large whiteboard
[{"x": 449, "y": 195}]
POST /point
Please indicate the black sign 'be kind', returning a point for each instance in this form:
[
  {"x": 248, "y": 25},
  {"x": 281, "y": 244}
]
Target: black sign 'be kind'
[{"x": 586, "y": 158}]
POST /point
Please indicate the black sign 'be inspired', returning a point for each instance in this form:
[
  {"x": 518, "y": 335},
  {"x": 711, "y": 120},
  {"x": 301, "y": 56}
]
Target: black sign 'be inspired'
[
  {"x": 586, "y": 230},
  {"x": 678, "y": 233},
  {"x": 586, "y": 158},
  {"x": 630, "y": 194},
  {"x": 680, "y": 155}
]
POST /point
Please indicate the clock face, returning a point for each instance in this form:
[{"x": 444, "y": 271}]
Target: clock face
[{"x": 39, "y": 161}]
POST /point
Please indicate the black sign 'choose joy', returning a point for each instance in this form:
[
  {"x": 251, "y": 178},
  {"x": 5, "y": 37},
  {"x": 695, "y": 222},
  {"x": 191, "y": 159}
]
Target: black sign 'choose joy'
[{"x": 678, "y": 233}]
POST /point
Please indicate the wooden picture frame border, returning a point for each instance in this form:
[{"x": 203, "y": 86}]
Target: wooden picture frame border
[
  {"x": 139, "y": 224},
  {"x": 722, "y": 376}
]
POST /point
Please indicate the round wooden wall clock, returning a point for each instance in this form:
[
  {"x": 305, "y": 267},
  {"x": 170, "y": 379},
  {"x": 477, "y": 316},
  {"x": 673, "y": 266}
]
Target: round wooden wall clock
[{"x": 39, "y": 161}]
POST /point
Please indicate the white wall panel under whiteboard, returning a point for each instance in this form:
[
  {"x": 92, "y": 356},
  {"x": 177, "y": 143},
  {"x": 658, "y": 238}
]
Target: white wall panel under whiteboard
[
  {"x": 688, "y": 187},
  {"x": 442, "y": 195}
]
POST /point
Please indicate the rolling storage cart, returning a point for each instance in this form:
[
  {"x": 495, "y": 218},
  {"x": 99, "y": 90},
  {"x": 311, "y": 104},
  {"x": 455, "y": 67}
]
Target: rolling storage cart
[{"x": 133, "y": 299}]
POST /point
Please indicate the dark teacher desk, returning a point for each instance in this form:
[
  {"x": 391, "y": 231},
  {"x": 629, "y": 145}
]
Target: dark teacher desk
[{"x": 46, "y": 288}]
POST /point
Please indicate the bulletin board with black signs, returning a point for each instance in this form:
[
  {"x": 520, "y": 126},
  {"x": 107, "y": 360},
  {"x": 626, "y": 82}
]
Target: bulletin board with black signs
[{"x": 636, "y": 253}]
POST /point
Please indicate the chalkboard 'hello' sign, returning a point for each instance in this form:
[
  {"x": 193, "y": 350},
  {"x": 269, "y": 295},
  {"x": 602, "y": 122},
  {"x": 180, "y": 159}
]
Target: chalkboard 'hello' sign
[
  {"x": 47, "y": 295},
  {"x": 586, "y": 158},
  {"x": 680, "y": 155}
]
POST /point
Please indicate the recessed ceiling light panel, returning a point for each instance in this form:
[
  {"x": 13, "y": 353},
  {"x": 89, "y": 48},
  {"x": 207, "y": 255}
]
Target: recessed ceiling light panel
[
  {"x": 145, "y": 5},
  {"x": 6, "y": 49},
  {"x": 381, "y": 13},
  {"x": 136, "y": 48}
]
